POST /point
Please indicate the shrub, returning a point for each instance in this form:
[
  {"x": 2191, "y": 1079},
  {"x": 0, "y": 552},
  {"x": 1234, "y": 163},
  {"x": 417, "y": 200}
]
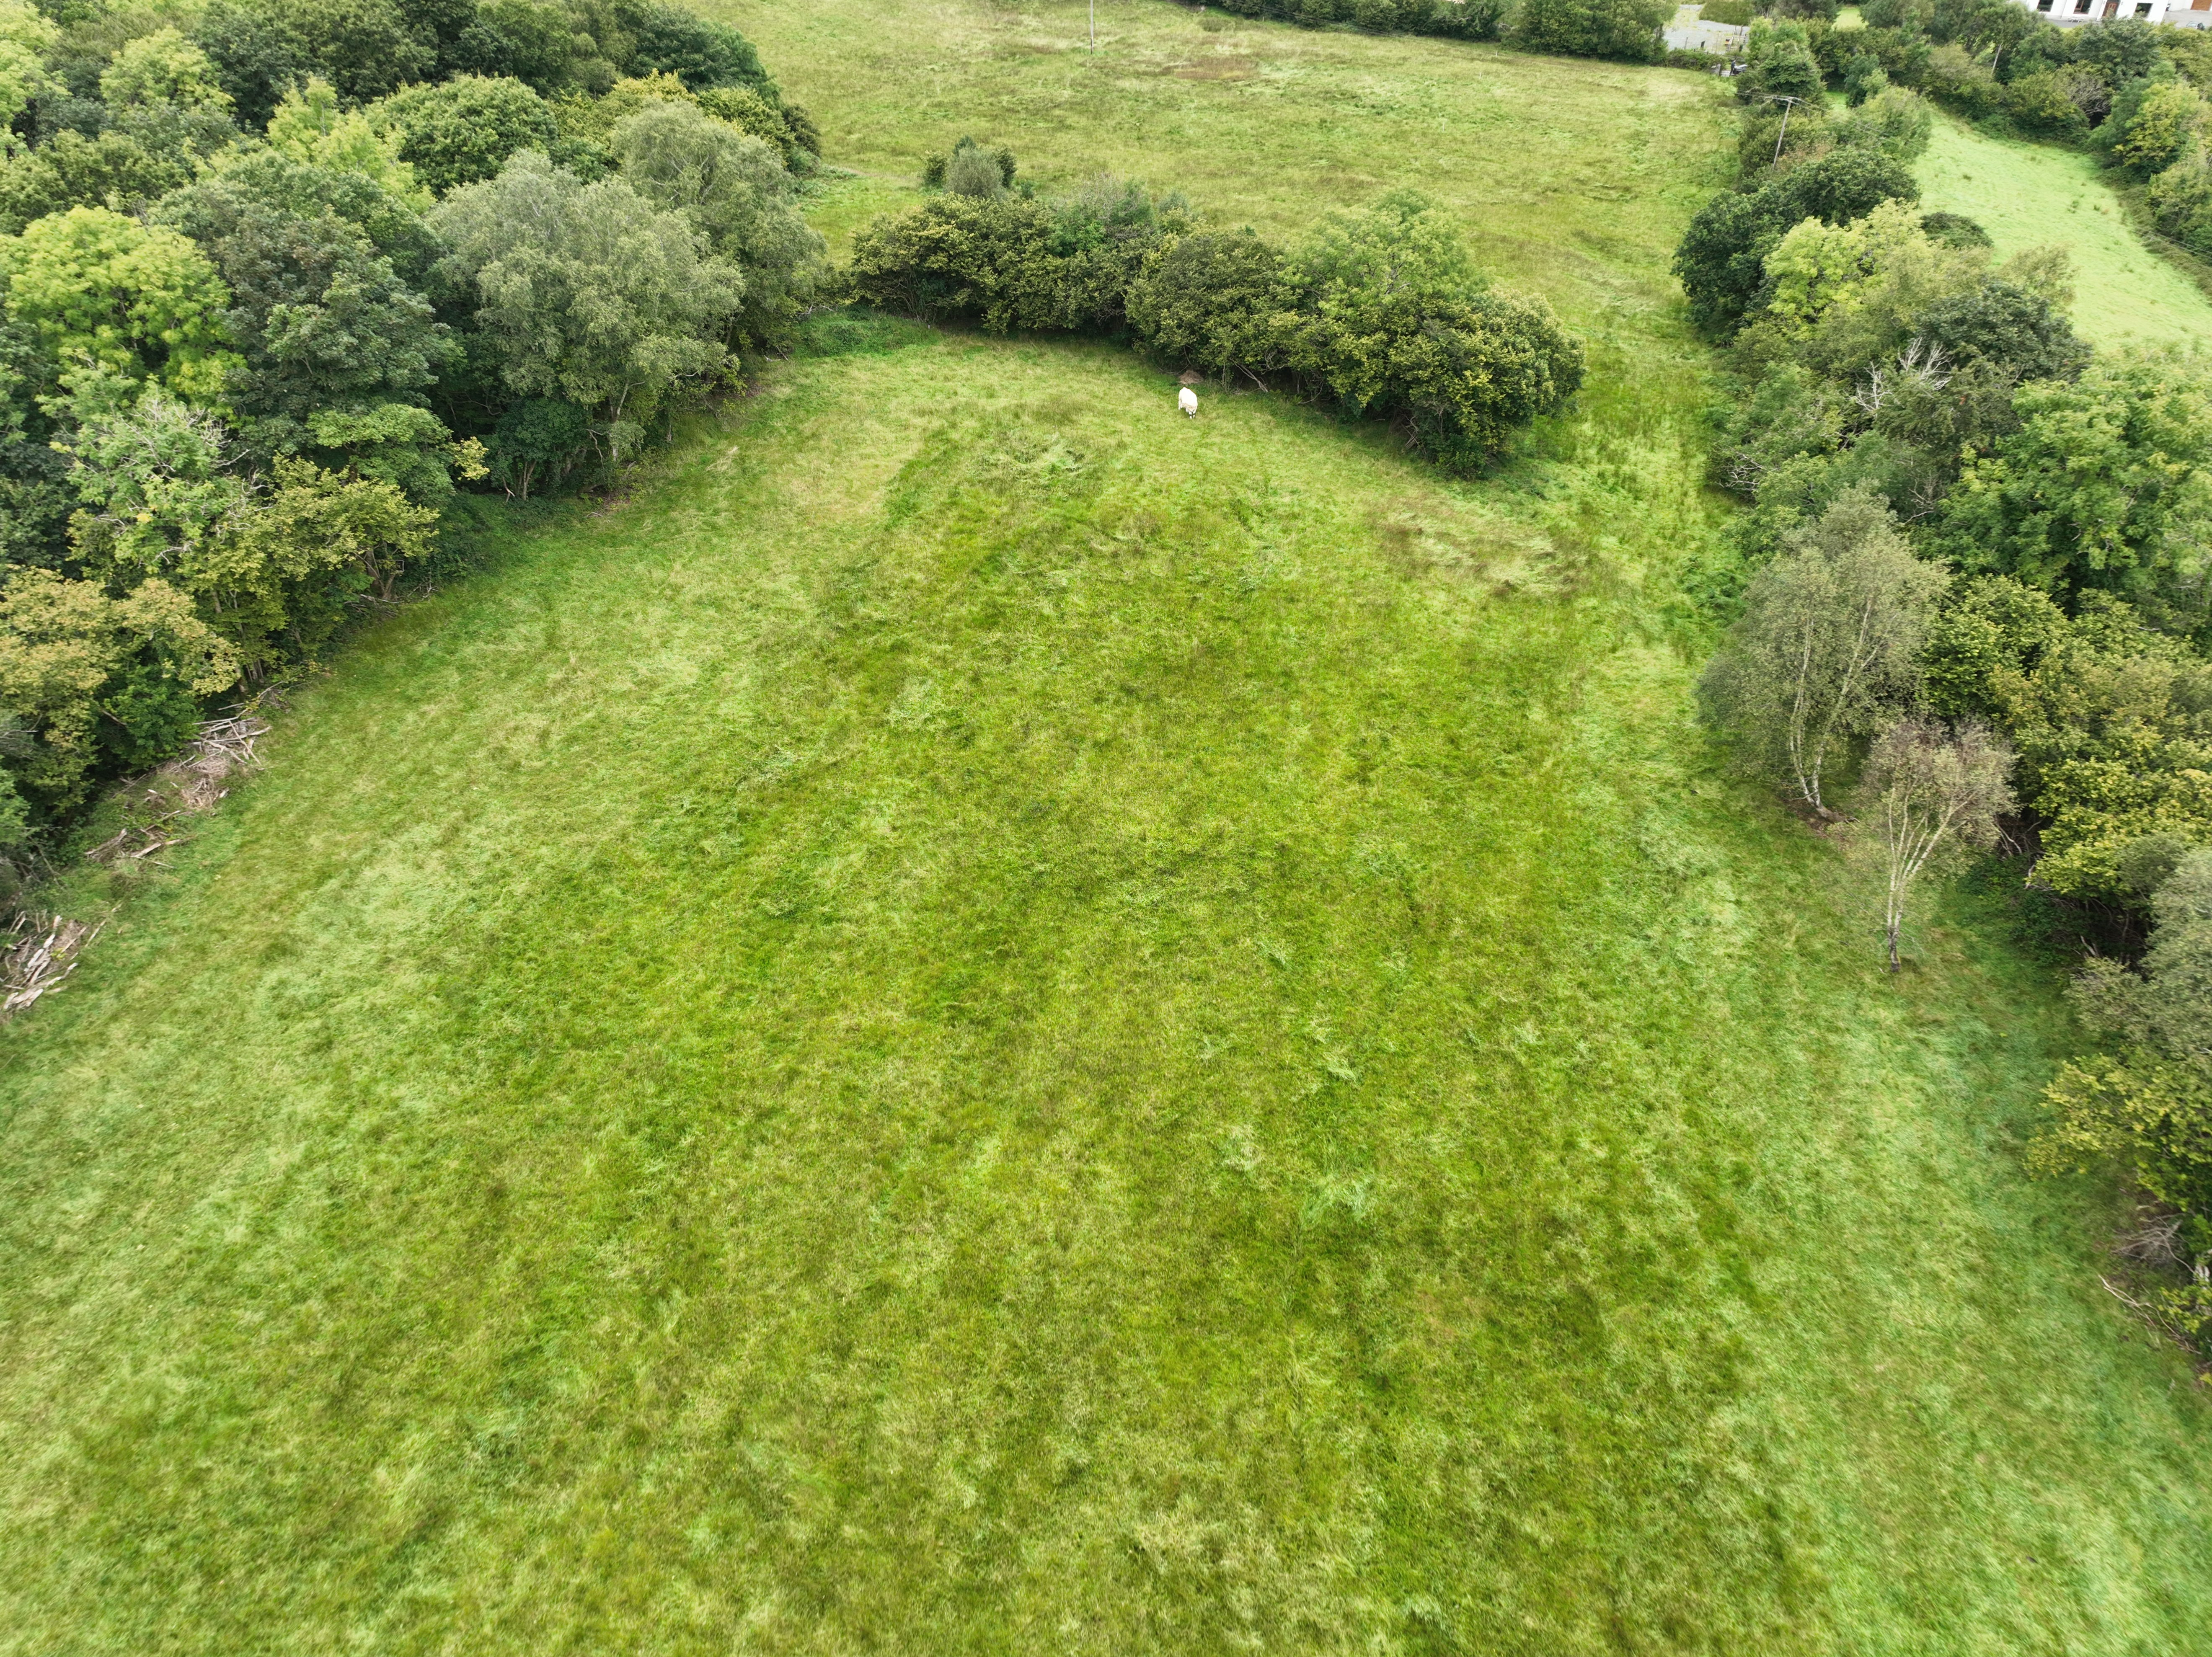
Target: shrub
[
  {"x": 1626, "y": 29},
  {"x": 937, "y": 169},
  {"x": 700, "y": 53},
  {"x": 2044, "y": 103},
  {"x": 1863, "y": 77},
  {"x": 1393, "y": 320},
  {"x": 1959, "y": 82},
  {"x": 2159, "y": 127},
  {"x": 1006, "y": 262},
  {"x": 1720, "y": 259},
  {"x": 1895, "y": 121},
  {"x": 1466, "y": 20},
  {"x": 1954, "y": 230},
  {"x": 1209, "y": 301},
  {"x": 751, "y": 113},
  {"x": 539, "y": 441},
  {"x": 65, "y": 646},
  {"x": 1779, "y": 63},
  {"x": 2113, "y": 722},
  {"x": 2148, "y": 1104},
  {"x": 1381, "y": 311},
  {"x": 2097, "y": 489}
]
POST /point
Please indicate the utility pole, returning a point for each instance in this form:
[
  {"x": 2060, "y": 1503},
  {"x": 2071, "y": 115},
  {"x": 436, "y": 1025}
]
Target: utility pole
[{"x": 1787, "y": 104}]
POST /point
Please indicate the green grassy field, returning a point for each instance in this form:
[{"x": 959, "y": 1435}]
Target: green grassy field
[
  {"x": 2028, "y": 195},
  {"x": 986, "y": 1020}
]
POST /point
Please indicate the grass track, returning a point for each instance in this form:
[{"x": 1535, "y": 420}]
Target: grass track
[{"x": 989, "y": 1021}]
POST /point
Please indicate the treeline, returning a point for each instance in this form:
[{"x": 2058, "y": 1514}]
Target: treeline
[
  {"x": 1379, "y": 313},
  {"x": 1627, "y": 30},
  {"x": 270, "y": 287},
  {"x": 2132, "y": 95},
  {"x": 1976, "y": 567}
]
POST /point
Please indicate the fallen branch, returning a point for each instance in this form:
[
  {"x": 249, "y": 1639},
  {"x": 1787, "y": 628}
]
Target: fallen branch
[{"x": 38, "y": 964}]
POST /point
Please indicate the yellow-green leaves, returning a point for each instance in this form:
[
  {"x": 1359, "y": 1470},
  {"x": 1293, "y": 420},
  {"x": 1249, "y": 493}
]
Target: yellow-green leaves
[
  {"x": 309, "y": 126},
  {"x": 141, "y": 301}
]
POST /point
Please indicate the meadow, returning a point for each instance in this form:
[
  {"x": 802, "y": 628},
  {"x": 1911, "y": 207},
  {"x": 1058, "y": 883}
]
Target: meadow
[
  {"x": 2030, "y": 195},
  {"x": 983, "y": 1019}
]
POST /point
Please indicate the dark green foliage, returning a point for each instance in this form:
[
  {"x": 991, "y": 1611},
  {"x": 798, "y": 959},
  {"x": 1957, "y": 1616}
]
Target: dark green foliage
[
  {"x": 2098, "y": 489},
  {"x": 2000, "y": 328},
  {"x": 1459, "y": 373},
  {"x": 1863, "y": 76},
  {"x": 146, "y": 716},
  {"x": 1720, "y": 260},
  {"x": 800, "y": 125},
  {"x": 539, "y": 441},
  {"x": 257, "y": 55},
  {"x": 323, "y": 321},
  {"x": 533, "y": 41},
  {"x": 2149, "y": 1104},
  {"x": 2122, "y": 50},
  {"x": 36, "y": 502},
  {"x": 1208, "y": 301},
  {"x": 2045, "y": 103},
  {"x": 1379, "y": 314},
  {"x": 1006, "y": 263},
  {"x": 363, "y": 47},
  {"x": 1779, "y": 65},
  {"x": 2112, "y": 718},
  {"x": 1626, "y": 29},
  {"x": 1464, "y": 20},
  {"x": 463, "y": 130},
  {"x": 392, "y": 227},
  {"x": 699, "y": 53},
  {"x": 1954, "y": 230}
]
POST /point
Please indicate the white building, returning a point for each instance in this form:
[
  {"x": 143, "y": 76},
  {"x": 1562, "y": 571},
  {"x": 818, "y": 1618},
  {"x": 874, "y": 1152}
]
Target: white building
[{"x": 2067, "y": 14}]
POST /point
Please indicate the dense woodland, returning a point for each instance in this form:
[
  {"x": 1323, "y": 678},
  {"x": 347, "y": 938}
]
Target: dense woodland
[
  {"x": 1978, "y": 553},
  {"x": 279, "y": 284}
]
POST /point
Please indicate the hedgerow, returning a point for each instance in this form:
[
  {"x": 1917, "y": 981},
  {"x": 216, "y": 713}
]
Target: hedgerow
[{"x": 1379, "y": 313}]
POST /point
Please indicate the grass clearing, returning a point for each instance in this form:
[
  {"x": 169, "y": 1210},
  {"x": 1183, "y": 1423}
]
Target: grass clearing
[
  {"x": 2028, "y": 195},
  {"x": 989, "y": 1020}
]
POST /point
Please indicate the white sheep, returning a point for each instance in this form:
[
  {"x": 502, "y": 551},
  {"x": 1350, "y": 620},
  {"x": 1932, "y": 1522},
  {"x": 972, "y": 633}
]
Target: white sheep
[{"x": 1187, "y": 400}]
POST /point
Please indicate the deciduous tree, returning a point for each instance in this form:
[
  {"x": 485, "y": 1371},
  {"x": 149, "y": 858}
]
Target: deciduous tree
[
  {"x": 1829, "y": 637},
  {"x": 589, "y": 292},
  {"x": 1932, "y": 792}
]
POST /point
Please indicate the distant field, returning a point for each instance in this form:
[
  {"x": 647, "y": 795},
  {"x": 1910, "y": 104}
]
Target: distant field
[
  {"x": 2030, "y": 195},
  {"x": 987, "y": 1021}
]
